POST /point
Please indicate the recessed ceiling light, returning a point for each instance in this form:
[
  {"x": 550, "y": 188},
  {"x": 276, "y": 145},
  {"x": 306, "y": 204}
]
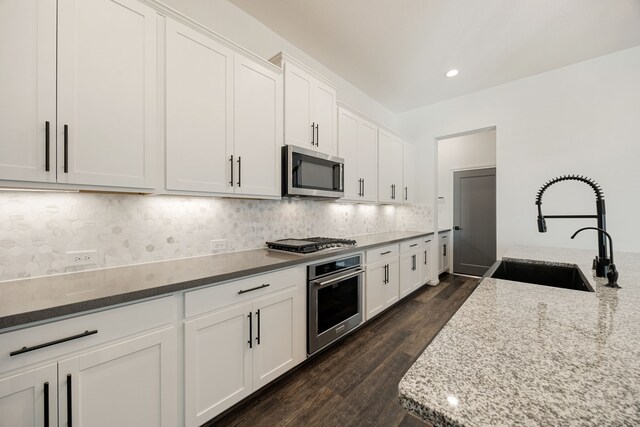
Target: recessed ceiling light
[{"x": 452, "y": 73}]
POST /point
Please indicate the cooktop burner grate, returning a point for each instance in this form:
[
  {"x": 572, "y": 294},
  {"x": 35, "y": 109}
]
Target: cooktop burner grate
[{"x": 310, "y": 245}]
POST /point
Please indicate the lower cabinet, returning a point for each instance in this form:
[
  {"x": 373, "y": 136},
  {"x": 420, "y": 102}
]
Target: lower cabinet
[
  {"x": 234, "y": 351},
  {"x": 426, "y": 264},
  {"x": 29, "y": 399},
  {"x": 382, "y": 285},
  {"x": 128, "y": 383},
  {"x": 445, "y": 249},
  {"x": 410, "y": 266}
]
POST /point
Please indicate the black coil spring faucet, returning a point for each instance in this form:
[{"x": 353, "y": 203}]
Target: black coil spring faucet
[{"x": 601, "y": 262}]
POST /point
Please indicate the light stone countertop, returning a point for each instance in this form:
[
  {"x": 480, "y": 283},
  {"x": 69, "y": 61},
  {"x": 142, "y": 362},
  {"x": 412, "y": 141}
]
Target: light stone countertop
[
  {"x": 42, "y": 298},
  {"x": 531, "y": 355}
]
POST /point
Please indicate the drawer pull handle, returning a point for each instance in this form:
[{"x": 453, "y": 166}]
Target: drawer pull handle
[
  {"x": 244, "y": 291},
  {"x": 50, "y": 343},
  {"x": 384, "y": 253},
  {"x": 415, "y": 244}
]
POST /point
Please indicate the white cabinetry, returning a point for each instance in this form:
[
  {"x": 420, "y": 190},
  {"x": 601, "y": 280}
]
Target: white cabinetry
[
  {"x": 234, "y": 350},
  {"x": 121, "y": 371},
  {"x": 29, "y": 398},
  {"x": 358, "y": 146},
  {"x": 408, "y": 173},
  {"x": 257, "y": 128},
  {"x": 130, "y": 383},
  {"x": 28, "y": 88},
  {"x": 382, "y": 279},
  {"x": 199, "y": 96},
  {"x": 410, "y": 275},
  {"x": 389, "y": 168},
  {"x": 425, "y": 266},
  {"x": 445, "y": 250},
  {"x": 103, "y": 130},
  {"x": 310, "y": 110},
  {"x": 224, "y": 118},
  {"x": 107, "y": 108}
]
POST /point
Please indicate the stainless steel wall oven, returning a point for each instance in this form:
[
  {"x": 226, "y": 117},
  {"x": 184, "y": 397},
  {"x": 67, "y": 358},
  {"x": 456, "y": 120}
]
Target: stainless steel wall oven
[{"x": 334, "y": 298}]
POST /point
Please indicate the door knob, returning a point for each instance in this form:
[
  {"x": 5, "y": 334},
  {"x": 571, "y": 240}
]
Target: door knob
[{"x": 457, "y": 227}]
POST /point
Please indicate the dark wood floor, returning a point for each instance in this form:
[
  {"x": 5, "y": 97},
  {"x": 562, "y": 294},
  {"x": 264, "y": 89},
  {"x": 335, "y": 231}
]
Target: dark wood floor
[{"x": 355, "y": 382}]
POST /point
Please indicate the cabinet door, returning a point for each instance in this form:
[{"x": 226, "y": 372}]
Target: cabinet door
[
  {"x": 389, "y": 168},
  {"x": 324, "y": 114},
  {"x": 392, "y": 288},
  {"x": 409, "y": 273},
  {"x": 279, "y": 336},
  {"x": 375, "y": 289},
  {"x": 445, "y": 250},
  {"x": 130, "y": 383},
  {"x": 217, "y": 362},
  {"x": 442, "y": 249},
  {"x": 29, "y": 399},
  {"x": 28, "y": 88},
  {"x": 107, "y": 93},
  {"x": 257, "y": 128},
  {"x": 408, "y": 171},
  {"x": 425, "y": 266},
  {"x": 348, "y": 150},
  {"x": 298, "y": 115},
  {"x": 368, "y": 159},
  {"x": 199, "y": 111}
]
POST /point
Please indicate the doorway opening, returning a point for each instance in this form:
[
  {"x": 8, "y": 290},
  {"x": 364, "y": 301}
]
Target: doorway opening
[{"x": 467, "y": 199}]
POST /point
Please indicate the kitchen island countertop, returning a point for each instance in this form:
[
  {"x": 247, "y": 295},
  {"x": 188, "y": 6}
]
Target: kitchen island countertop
[
  {"x": 525, "y": 354},
  {"x": 35, "y": 299}
]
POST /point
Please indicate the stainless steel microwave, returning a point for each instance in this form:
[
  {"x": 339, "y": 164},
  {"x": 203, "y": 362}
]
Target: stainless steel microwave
[{"x": 308, "y": 173}]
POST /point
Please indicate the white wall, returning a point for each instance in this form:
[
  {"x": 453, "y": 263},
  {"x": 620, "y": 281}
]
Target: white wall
[
  {"x": 462, "y": 152},
  {"x": 238, "y": 26},
  {"x": 583, "y": 118}
]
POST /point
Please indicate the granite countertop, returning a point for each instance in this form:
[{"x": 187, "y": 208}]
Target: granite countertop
[
  {"x": 36, "y": 299},
  {"x": 524, "y": 354}
]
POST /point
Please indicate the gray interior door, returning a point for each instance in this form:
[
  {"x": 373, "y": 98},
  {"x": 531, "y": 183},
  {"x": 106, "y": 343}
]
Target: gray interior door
[{"x": 474, "y": 220}]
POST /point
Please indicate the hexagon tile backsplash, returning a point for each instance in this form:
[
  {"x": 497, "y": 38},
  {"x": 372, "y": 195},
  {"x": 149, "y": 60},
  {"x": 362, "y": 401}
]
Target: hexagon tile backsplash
[{"x": 37, "y": 229}]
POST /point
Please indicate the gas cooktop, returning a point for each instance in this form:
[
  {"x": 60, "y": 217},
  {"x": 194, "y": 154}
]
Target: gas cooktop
[{"x": 310, "y": 245}]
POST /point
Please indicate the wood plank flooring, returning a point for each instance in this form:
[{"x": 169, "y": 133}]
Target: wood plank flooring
[{"x": 355, "y": 382}]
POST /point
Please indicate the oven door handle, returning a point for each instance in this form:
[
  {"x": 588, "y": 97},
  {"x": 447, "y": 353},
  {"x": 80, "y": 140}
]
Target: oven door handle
[{"x": 321, "y": 284}]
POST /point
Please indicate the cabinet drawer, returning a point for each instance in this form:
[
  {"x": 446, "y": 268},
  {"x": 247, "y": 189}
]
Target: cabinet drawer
[
  {"x": 221, "y": 295},
  {"x": 382, "y": 252},
  {"x": 111, "y": 324},
  {"x": 411, "y": 245}
]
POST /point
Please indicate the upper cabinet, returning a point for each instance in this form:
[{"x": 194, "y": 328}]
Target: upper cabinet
[
  {"x": 409, "y": 176},
  {"x": 28, "y": 88},
  {"x": 310, "y": 110},
  {"x": 103, "y": 132},
  {"x": 257, "y": 128},
  {"x": 199, "y": 121},
  {"x": 224, "y": 118},
  {"x": 358, "y": 145},
  {"x": 390, "y": 148}
]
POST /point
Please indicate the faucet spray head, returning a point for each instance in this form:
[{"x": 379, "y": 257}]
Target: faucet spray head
[{"x": 542, "y": 225}]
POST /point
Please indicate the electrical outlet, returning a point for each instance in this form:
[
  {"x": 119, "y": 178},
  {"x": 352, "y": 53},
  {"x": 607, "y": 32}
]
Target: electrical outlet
[
  {"x": 218, "y": 245},
  {"x": 77, "y": 258}
]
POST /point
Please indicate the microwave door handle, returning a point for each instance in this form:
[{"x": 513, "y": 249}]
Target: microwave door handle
[{"x": 322, "y": 284}]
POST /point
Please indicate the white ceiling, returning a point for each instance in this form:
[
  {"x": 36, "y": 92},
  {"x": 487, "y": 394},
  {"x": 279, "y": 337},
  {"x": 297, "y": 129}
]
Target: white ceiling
[{"x": 397, "y": 51}]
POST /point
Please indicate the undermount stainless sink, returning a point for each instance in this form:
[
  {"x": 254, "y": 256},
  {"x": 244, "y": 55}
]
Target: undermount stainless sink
[{"x": 558, "y": 276}]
